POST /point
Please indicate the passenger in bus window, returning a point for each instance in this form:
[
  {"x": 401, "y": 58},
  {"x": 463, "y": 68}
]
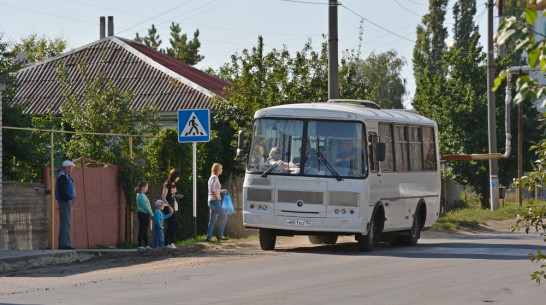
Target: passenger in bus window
[{"x": 348, "y": 155}]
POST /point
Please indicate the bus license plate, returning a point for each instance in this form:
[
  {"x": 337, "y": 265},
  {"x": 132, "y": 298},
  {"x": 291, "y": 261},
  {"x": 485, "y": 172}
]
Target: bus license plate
[{"x": 299, "y": 223}]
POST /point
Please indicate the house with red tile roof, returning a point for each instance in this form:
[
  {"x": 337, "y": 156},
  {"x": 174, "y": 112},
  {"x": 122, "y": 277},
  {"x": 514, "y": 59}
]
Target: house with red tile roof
[{"x": 153, "y": 77}]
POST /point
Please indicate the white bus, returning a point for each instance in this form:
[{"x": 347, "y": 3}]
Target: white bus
[{"x": 345, "y": 167}]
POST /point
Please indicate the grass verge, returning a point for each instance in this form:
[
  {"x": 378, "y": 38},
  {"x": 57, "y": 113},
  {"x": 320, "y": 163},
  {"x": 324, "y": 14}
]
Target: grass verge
[{"x": 472, "y": 217}]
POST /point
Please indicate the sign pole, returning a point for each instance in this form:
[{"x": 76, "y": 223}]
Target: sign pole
[{"x": 194, "y": 189}]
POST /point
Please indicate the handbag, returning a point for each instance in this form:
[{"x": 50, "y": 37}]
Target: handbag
[{"x": 227, "y": 205}]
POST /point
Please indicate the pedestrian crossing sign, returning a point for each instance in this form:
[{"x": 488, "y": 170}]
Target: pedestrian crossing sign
[{"x": 193, "y": 125}]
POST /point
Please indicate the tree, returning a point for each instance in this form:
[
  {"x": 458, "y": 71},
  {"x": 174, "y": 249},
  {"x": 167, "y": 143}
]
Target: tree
[
  {"x": 101, "y": 107},
  {"x": 152, "y": 39},
  {"x": 377, "y": 78},
  {"x": 24, "y": 152},
  {"x": 527, "y": 87},
  {"x": 263, "y": 80},
  {"x": 430, "y": 45},
  {"x": 455, "y": 97},
  {"x": 181, "y": 48},
  {"x": 40, "y": 48}
]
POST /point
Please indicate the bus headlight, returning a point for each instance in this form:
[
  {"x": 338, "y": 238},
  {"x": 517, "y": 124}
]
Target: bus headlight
[{"x": 336, "y": 211}]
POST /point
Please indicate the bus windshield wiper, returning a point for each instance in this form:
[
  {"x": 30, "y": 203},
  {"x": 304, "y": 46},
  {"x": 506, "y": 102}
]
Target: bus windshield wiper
[{"x": 328, "y": 166}]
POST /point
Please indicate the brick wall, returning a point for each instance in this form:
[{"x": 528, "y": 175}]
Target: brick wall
[{"x": 25, "y": 216}]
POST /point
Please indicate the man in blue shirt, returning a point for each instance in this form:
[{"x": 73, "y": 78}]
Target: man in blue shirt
[{"x": 65, "y": 193}]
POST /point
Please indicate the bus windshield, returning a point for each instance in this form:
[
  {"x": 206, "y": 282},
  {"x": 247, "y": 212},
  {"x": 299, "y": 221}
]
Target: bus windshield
[{"x": 307, "y": 147}]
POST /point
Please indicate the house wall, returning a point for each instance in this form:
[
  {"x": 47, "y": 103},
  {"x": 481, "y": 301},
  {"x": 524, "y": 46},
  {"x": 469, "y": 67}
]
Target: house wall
[{"x": 25, "y": 216}]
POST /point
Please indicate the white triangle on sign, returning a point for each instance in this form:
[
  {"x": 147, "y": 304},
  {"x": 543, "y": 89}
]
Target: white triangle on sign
[{"x": 193, "y": 127}]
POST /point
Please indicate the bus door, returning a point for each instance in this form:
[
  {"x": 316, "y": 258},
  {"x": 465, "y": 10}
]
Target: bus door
[{"x": 374, "y": 178}]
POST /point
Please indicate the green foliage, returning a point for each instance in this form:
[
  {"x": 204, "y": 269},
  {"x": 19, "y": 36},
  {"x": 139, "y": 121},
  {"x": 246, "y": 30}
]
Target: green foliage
[
  {"x": 377, "y": 78},
  {"x": 535, "y": 178},
  {"x": 473, "y": 217},
  {"x": 100, "y": 107},
  {"x": 22, "y": 152},
  {"x": 25, "y": 152},
  {"x": 152, "y": 39},
  {"x": 522, "y": 34},
  {"x": 40, "y": 48},
  {"x": 451, "y": 89},
  {"x": 103, "y": 108},
  {"x": 533, "y": 218},
  {"x": 470, "y": 199},
  {"x": 164, "y": 152},
  {"x": 264, "y": 80},
  {"x": 183, "y": 49}
]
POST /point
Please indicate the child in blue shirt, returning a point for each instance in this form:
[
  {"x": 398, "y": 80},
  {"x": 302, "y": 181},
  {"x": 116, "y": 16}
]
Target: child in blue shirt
[{"x": 159, "y": 240}]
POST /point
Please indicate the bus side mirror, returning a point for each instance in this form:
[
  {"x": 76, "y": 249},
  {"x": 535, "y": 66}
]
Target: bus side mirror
[
  {"x": 240, "y": 143},
  {"x": 380, "y": 151}
]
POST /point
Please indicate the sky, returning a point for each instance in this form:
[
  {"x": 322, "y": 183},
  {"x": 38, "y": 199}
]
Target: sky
[{"x": 229, "y": 26}]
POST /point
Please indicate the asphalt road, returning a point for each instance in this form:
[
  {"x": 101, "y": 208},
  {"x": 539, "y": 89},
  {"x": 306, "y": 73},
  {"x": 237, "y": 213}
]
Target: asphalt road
[{"x": 474, "y": 268}]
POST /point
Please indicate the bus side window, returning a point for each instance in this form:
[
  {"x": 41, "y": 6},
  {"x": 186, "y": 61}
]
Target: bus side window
[
  {"x": 385, "y": 134},
  {"x": 372, "y": 151},
  {"x": 429, "y": 146}
]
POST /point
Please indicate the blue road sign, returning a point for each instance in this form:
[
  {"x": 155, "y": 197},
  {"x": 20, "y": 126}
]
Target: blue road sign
[{"x": 193, "y": 125}]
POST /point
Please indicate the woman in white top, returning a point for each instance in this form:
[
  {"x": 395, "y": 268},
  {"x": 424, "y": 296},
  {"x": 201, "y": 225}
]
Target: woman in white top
[{"x": 215, "y": 205}]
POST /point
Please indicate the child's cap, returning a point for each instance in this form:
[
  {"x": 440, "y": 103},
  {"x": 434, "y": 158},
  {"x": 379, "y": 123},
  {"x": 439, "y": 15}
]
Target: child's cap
[{"x": 160, "y": 202}]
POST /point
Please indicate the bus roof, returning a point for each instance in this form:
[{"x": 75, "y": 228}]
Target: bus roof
[{"x": 342, "y": 111}]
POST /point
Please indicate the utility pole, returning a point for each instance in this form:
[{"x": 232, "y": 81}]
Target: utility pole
[
  {"x": 491, "y": 119},
  {"x": 500, "y": 10},
  {"x": 333, "y": 68}
]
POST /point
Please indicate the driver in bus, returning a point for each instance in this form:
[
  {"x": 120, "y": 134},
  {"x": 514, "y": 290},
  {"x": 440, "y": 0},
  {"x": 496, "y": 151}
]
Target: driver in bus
[{"x": 347, "y": 157}]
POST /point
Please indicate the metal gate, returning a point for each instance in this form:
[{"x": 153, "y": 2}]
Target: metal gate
[{"x": 98, "y": 214}]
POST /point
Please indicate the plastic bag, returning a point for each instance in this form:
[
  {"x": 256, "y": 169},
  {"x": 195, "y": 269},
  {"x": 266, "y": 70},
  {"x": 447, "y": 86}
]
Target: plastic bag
[{"x": 227, "y": 205}]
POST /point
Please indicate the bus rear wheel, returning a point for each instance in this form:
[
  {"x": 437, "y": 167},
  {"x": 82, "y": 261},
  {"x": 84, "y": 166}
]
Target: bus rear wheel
[
  {"x": 414, "y": 233},
  {"x": 267, "y": 239}
]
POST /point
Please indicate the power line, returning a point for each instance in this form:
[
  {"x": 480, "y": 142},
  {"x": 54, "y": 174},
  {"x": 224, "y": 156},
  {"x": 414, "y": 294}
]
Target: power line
[
  {"x": 48, "y": 14},
  {"x": 406, "y": 9},
  {"x": 377, "y": 25},
  {"x": 156, "y": 16}
]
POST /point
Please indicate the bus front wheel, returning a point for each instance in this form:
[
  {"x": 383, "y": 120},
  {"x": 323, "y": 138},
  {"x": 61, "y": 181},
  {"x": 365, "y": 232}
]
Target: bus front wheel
[
  {"x": 267, "y": 239},
  {"x": 365, "y": 242}
]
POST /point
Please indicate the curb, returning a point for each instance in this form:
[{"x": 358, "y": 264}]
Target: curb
[{"x": 21, "y": 260}]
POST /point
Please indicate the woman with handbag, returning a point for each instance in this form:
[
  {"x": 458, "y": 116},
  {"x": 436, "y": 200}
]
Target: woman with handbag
[
  {"x": 215, "y": 206},
  {"x": 169, "y": 195}
]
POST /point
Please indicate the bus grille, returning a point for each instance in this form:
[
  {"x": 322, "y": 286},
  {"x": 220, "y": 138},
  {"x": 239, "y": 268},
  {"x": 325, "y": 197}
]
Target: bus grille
[
  {"x": 259, "y": 195},
  {"x": 259, "y": 181},
  {"x": 294, "y": 196},
  {"x": 349, "y": 199}
]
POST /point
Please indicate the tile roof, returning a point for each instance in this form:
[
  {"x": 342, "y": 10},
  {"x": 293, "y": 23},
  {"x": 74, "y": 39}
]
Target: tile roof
[{"x": 153, "y": 77}]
